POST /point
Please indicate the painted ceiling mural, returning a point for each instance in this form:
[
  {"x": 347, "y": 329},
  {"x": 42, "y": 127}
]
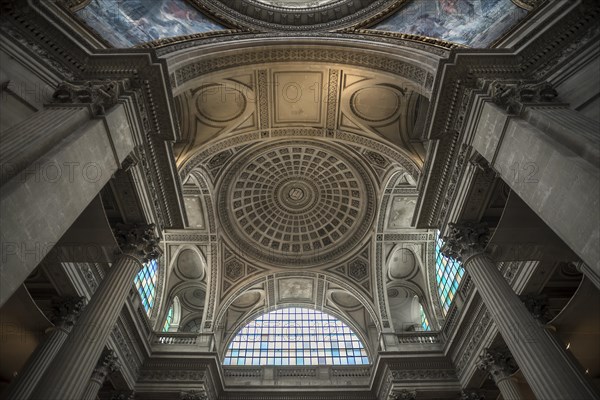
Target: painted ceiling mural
[
  {"x": 475, "y": 23},
  {"x": 126, "y": 23}
]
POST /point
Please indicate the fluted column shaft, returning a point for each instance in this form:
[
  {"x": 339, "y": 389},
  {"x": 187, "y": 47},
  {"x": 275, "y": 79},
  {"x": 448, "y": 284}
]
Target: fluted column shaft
[
  {"x": 71, "y": 369},
  {"x": 65, "y": 312},
  {"x": 36, "y": 365},
  {"x": 92, "y": 388},
  {"x": 547, "y": 367},
  {"x": 509, "y": 388}
]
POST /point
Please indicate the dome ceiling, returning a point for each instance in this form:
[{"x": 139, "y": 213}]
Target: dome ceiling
[
  {"x": 298, "y": 15},
  {"x": 297, "y": 3},
  {"x": 296, "y": 203}
]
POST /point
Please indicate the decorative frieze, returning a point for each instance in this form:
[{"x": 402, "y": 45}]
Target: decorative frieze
[{"x": 165, "y": 375}]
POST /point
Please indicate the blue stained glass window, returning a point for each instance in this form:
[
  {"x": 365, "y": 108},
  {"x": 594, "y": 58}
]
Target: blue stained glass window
[
  {"x": 449, "y": 272},
  {"x": 168, "y": 320},
  {"x": 145, "y": 282},
  {"x": 424, "y": 321},
  {"x": 296, "y": 336}
]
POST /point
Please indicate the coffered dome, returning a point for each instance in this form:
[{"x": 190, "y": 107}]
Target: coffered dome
[
  {"x": 297, "y": 3},
  {"x": 296, "y": 203}
]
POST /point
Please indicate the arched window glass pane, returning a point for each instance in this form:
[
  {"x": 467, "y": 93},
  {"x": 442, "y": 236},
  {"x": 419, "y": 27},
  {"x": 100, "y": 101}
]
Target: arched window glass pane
[
  {"x": 296, "y": 336},
  {"x": 424, "y": 321},
  {"x": 169, "y": 319},
  {"x": 145, "y": 282},
  {"x": 449, "y": 272}
]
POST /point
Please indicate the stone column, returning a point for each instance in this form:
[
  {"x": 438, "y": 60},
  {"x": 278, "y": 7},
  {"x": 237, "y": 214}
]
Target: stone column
[
  {"x": 500, "y": 365},
  {"x": 72, "y": 367},
  {"x": 65, "y": 312},
  {"x": 549, "y": 370},
  {"x": 108, "y": 363}
]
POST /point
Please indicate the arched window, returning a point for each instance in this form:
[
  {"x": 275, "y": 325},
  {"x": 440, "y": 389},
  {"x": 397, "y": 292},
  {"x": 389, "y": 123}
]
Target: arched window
[
  {"x": 449, "y": 272},
  {"x": 424, "y": 322},
  {"x": 145, "y": 282},
  {"x": 296, "y": 336},
  {"x": 168, "y": 320}
]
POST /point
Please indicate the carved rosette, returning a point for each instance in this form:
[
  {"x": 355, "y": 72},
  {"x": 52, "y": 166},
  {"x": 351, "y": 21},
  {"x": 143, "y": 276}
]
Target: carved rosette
[
  {"x": 66, "y": 310},
  {"x": 100, "y": 95},
  {"x": 138, "y": 241},
  {"x": 107, "y": 364},
  {"x": 498, "y": 362},
  {"x": 193, "y": 395},
  {"x": 403, "y": 395},
  {"x": 465, "y": 240}
]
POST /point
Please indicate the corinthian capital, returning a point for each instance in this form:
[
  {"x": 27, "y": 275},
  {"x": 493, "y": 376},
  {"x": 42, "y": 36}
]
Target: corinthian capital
[
  {"x": 193, "y": 395},
  {"x": 107, "y": 363},
  {"x": 465, "y": 239},
  {"x": 471, "y": 394},
  {"x": 404, "y": 395},
  {"x": 138, "y": 241},
  {"x": 65, "y": 310},
  {"x": 498, "y": 362}
]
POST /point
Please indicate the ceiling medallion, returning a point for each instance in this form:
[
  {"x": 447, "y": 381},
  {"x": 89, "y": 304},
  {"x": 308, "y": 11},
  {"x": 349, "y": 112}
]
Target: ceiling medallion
[
  {"x": 298, "y": 15},
  {"x": 299, "y": 203}
]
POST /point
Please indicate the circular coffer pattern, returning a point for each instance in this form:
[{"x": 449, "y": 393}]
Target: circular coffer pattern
[{"x": 295, "y": 203}]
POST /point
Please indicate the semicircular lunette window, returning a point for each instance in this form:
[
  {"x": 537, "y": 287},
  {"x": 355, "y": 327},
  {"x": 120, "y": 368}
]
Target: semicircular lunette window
[{"x": 296, "y": 336}]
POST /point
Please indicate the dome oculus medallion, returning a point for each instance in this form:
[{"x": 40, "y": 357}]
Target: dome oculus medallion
[{"x": 296, "y": 204}]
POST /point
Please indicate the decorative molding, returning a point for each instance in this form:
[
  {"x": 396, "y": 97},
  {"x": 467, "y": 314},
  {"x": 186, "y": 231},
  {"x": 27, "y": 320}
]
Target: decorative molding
[
  {"x": 471, "y": 394},
  {"x": 260, "y": 16},
  {"x": 477, "y": 330},
  {"x": 414, "y": 73},
  {"x": 403, "y": 395},
  {"x": 99, "y": 95},
  {"x": 512, "y": 95},
  {"x": 424, "y": 375},
  {"x": 193, "y": 395},
  {"x": 171, "y": 375}
]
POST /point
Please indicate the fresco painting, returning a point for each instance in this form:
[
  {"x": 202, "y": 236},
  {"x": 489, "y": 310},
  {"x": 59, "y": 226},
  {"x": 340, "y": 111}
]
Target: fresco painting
[
  {"x": 126, "y": 23},
  {"x": 475, "y": 23}
]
